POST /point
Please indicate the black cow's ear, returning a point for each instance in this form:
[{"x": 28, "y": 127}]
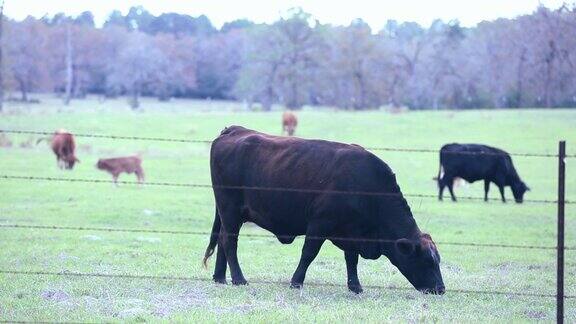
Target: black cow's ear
[{"x": 405, "y": 246}]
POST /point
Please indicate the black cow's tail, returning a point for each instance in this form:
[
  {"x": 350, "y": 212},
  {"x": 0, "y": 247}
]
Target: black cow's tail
[
  {"x": 440, "y": 172},
  {"x": 213, "y": 238}
]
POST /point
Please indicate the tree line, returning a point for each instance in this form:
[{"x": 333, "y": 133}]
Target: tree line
[{"x": 528, "y": 61}]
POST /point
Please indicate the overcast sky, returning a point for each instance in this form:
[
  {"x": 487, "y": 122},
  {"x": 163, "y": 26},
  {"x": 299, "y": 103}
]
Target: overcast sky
[{"x": 341, "y": 12}]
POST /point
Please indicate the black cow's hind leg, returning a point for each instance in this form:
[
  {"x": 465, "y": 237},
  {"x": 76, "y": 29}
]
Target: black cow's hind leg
[
  {"x": 450, "y": 184},
  {"x": 352, "y": 269},
  {"x": 502, "y": 192},
  {"x": 220, "y": 266},
  {"x": 486, "y": 188},
  {"x": 441, "y": 186},
  {"x": 229, "y": 241},
  {"x": 309, "y": 252}
]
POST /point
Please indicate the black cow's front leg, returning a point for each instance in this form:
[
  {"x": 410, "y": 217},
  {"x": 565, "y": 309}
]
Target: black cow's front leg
[
  {"x": 502, "y": 192},
  {"x": 309, "y": 252},
  {"x": 220, "y": 266},
  {"x": 352, "y": 269},
  {"x": 486, "y": 188}
]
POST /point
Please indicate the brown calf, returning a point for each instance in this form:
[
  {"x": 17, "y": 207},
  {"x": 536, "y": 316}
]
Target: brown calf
[
  {"x": 63, "y": 146},
  {"x": 128, "y": 164},
  {"x": 289, "y": 123}
]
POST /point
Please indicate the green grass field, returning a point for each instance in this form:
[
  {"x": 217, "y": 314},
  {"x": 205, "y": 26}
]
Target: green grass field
[{"x": 66, "y": 298}]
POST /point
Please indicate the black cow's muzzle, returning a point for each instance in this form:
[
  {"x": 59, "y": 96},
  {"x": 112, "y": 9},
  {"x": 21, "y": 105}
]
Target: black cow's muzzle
[{"x": 439, "y": 290}]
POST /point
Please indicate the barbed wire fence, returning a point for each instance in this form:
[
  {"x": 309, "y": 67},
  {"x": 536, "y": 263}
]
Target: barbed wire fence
[
  {"x": 256, "y": 188},
  {"x": 198, "y": 141},
  {"x": 560, "y": 248},
  {"x": 266, "y": 281},
  {"x": 266, "y": 236}
]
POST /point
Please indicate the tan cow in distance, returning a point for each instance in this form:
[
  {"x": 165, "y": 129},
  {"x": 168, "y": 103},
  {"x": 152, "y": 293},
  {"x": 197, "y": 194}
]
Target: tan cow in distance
[
  {"x": 289, "y": 123},
  {"x": 63, "y": 146},
  {"x": 126, "y": 164}
]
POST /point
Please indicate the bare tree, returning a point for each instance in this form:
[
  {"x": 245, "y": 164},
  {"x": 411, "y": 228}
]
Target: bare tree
[
  {"x": 1, "y": 56},
  {"x": 26, "y": 48},
  {"x": 219, "y": 60},
  {"x": 69, "y": 66},
  {"x": 545, "y": 30},
  {"x": 354, "y": 68},
  {"x": 137, "y": 68},
  {"x": 280, "y": 63},
  {"x": 258, "y": 75},
  {"x": 405, "y": 44},
  {"x": 299, "y": 43},
  {"x": 178, "y": 75}
]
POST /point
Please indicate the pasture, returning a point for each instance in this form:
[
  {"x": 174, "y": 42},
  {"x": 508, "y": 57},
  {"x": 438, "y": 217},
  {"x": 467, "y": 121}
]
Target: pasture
[{"x": 66, "y": 298}]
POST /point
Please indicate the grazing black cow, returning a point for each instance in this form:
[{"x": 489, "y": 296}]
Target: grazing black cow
[
  {"x": 473, "y": 162},
  {"x": 319, "y": 173}
]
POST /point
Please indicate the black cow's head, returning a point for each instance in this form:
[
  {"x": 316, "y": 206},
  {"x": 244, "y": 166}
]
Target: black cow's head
[
  {"x": 419, "y": 262},
  {"x": 518, "y": 190}
]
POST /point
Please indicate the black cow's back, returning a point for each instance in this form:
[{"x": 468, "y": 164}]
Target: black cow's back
[
  {"x": 310, "y": 170},
  {"x": 472, "y": 162}
]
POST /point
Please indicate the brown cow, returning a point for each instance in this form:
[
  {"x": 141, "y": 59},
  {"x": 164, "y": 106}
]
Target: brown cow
[
  {"x": 127, "y": 164},
  {"x": 63, "y": 146},
  {"x": 289, "y": 123}
]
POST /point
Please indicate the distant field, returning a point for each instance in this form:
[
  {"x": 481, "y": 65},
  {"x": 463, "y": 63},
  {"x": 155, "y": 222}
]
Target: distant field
[{"x": 63, "y": 298}]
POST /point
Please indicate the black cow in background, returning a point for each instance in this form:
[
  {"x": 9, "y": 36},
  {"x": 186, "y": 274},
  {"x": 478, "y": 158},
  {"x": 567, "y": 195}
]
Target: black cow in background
[{"x": 473, "y": 162}]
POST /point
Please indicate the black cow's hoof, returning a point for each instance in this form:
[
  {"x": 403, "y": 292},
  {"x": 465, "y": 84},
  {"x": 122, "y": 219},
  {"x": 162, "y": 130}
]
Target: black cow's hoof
[
  {"x": 220, "y": 280},
  {"x": 296, "y": 285},
  {"x": 357, "y": 289},
  {"x": 240, "y": 282}
]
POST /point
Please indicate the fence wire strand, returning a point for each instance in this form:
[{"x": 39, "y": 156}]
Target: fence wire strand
[
  {"x": 182, "y": 140},
  {"x": 43, "y": 322},
  {"x": 115, "y": 137},
  {"x": 264, "y": 281},
  {"x": 266, "y": 236},
  {"x": 274, "y": 189}
]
